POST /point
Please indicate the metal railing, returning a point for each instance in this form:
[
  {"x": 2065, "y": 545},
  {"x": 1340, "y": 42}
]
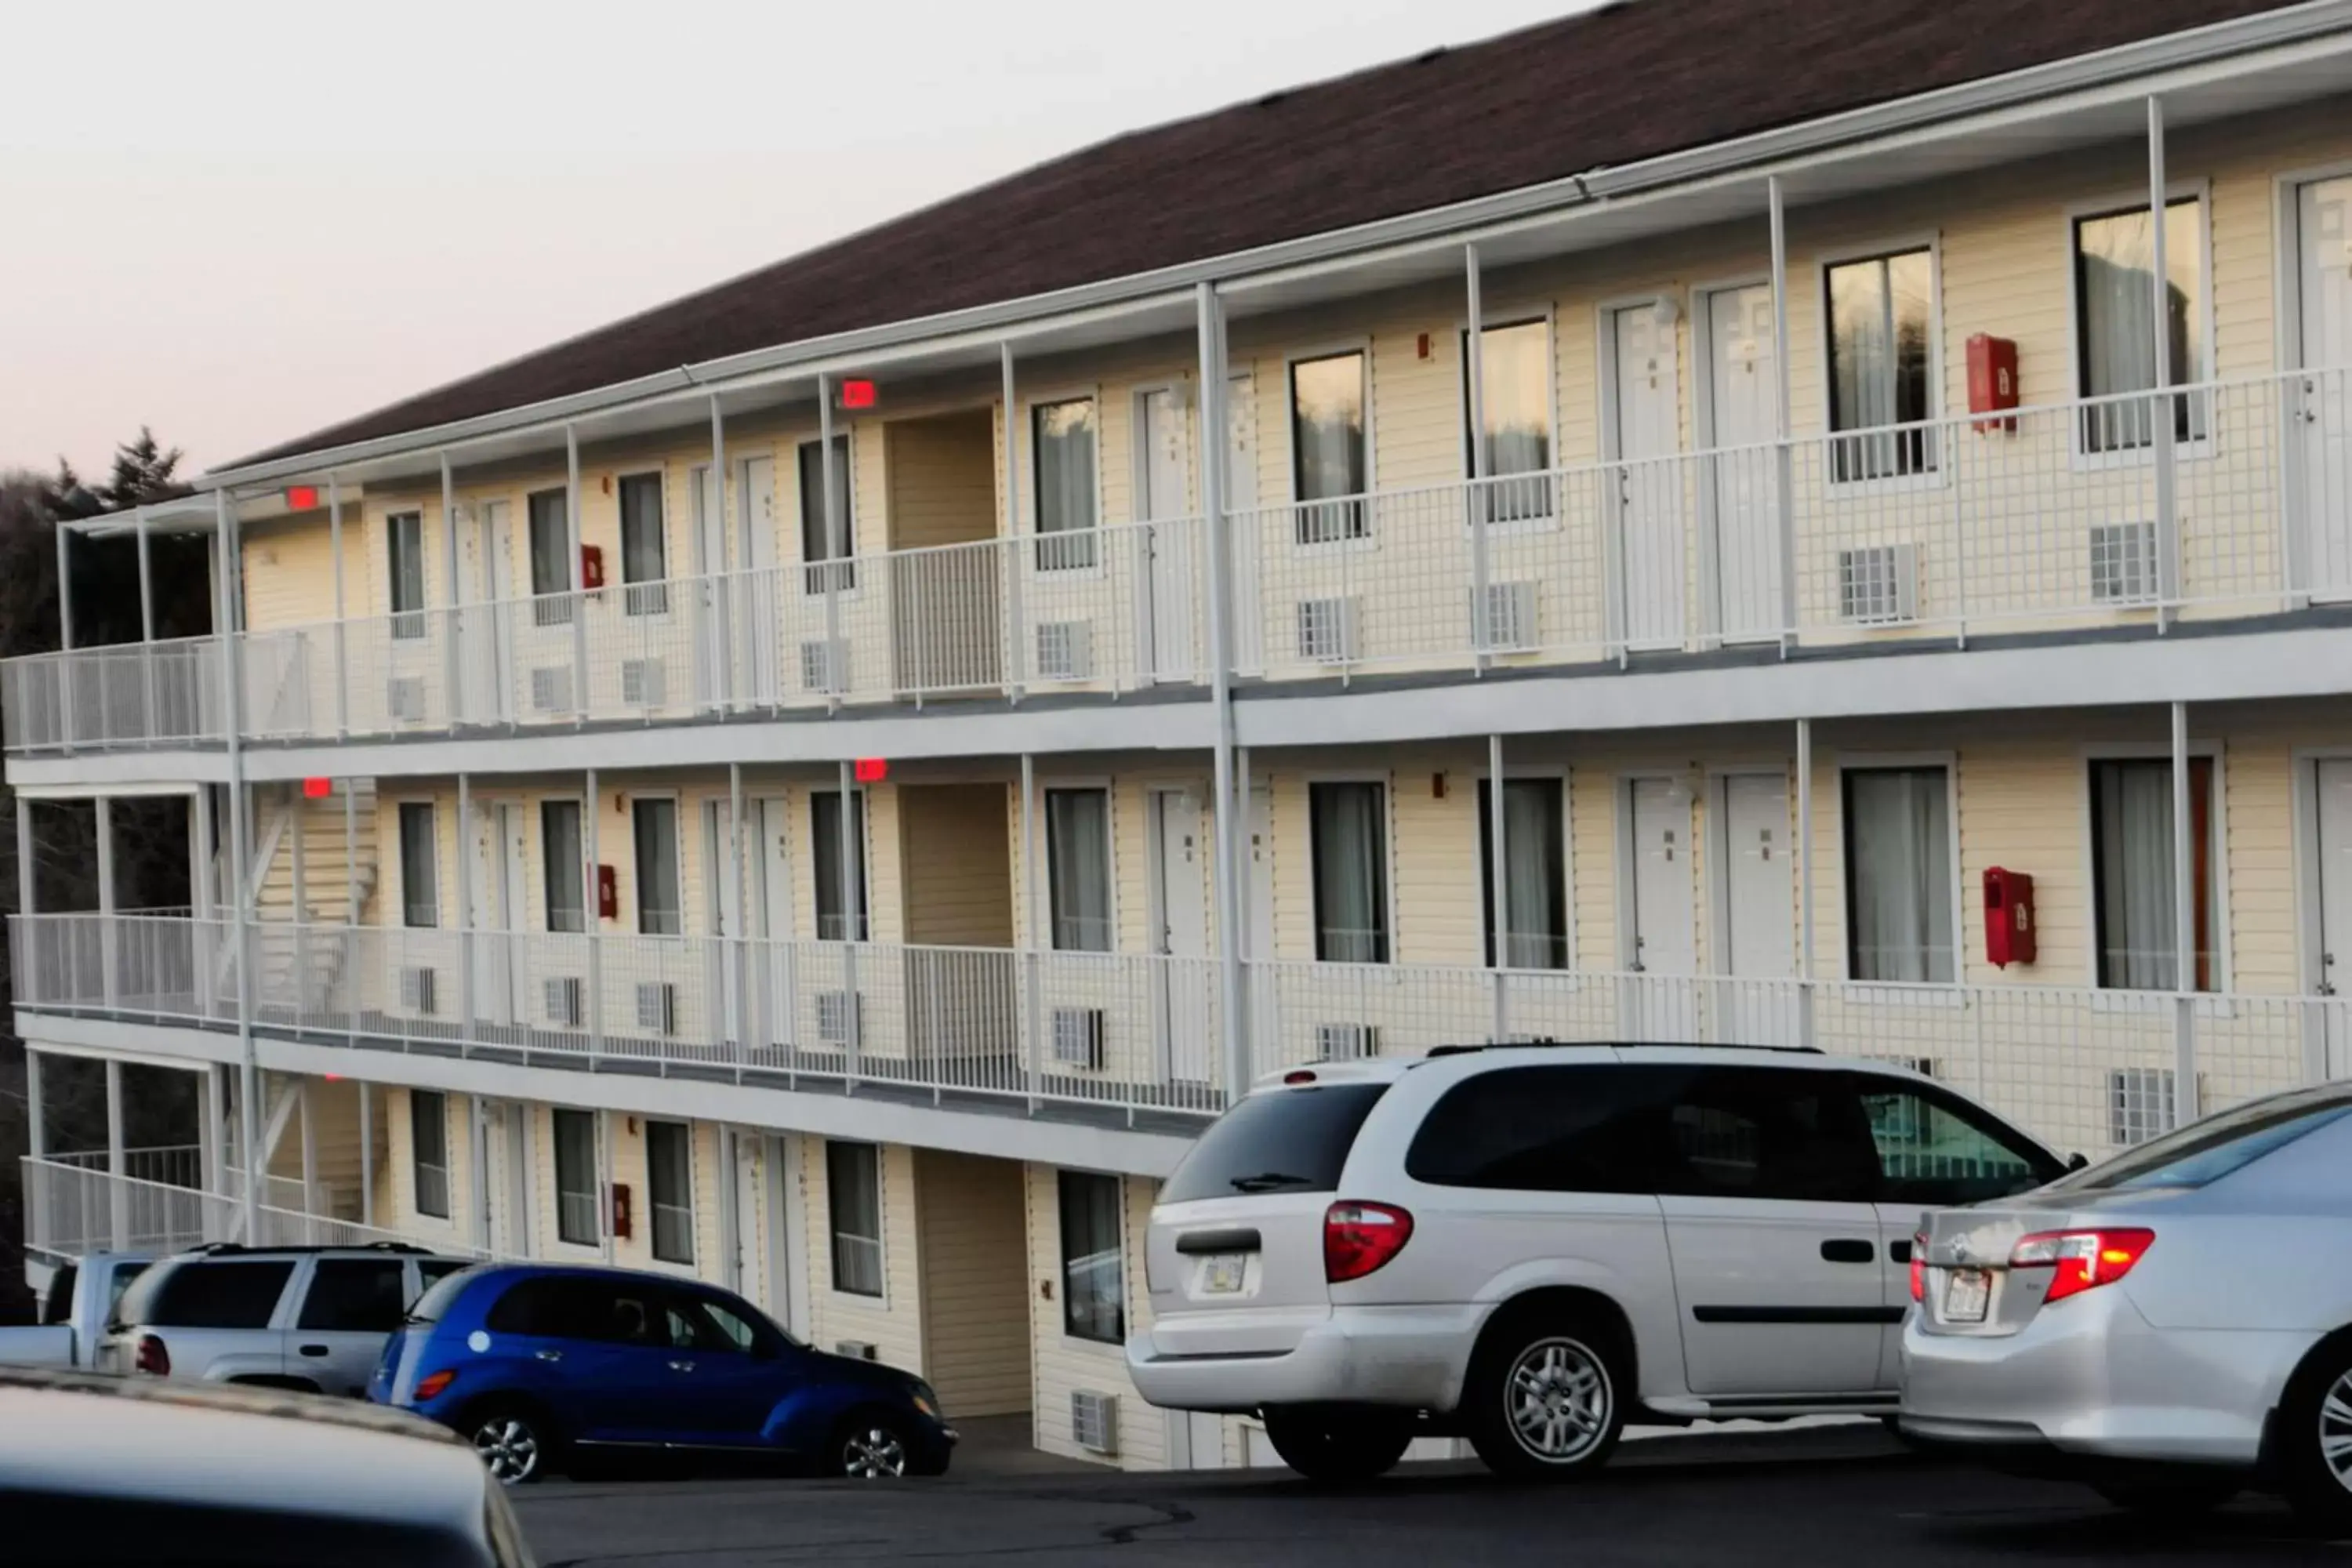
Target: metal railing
[
  {"x": 171, "y": 1165},
  {"x": 72, "y": 1209},
  {"x": 1129, "y": 1034}
]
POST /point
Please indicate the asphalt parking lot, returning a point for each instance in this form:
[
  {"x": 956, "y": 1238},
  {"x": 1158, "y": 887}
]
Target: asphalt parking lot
[{"x": 1830, "y": 1495}]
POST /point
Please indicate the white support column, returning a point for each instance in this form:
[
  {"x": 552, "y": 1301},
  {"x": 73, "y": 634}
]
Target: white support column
[
  {"x": 298, "y": 851},
  {"x": 718, "y": 586},
  {"x": 1016, "y": 649},
  {"x": 2184, "y": 926},
  {"x": 2160, "y": 408},
  {"x": 453, "y": 662},
  {"x": 248, "y": 1091},
  {"x": 1805, "y": 881},
  {"x": 25, "y": 881},
  {"x": 154, "y": 726},
  {"x": 367, "y": 1153},
  {"x": 203, "y": 886},
  {"x": 477, "y": 1155},
  {"x": 1482, "y": 632},
  {"x": 1230, "y": 819},
  {"x": 852, "y": 850},
  {"x": 342, "y": 656},
  {"x": 65, "y": 590},
  {"x": 306, "y": 1089},
  {"x": 605, "y": 1182},
  {"x": 739, "y": 930},
  {"x": 593, "y": 916},
  {"x": 1032, "y": 921},
  {"x": 109, "y": 941},
  {"x": 835, "y": 657},
  {"x": 465, "y": 922},
  {"x": 118, "y": 1160},
  {"x": 1785, "y": 475},
  {"x": 579, "y": 606},
  {"x": 1498, "y": 870},
  {"x": 350, "y": 854},
  {"x": 36, "y": 1138}
]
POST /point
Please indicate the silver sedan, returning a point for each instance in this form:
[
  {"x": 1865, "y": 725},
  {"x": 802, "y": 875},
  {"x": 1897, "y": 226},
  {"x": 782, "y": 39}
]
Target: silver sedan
[{"x": 2171, "y": 1325}]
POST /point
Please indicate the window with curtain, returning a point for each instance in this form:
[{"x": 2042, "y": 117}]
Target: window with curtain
[
  {"x": 1514, "y": 446},
  {"x": 1062, "y": 458},
  {"x": 1535, "y": 873},
  {"x": 1094, "y": 1302},
  {"x": 816, "y": 532},
  {"x": 428, "y": 1151},
  {"x": 1898, "y": 849},
  {"x": 1077, "y": 868},
  {"x": 1330, "y": 465},
  {"x": 403, "y": 544},
  {"x": 645, "y": 549},
  {"x": 420, "y": 881},
  {"x": 2115, "y": 312},
  {"x": 1880, "y": 311},
  {"x": 559, "y": 853},
  {"x": 2131, "y": 852},
  {"x": 551, "y": 557},
  {"x": 825, "y": 850},
  {"x": 669, "y": 1189},
  {"x": 853, "y": 1180},
  {"x": 578, "y": 1216},
  {"x": 1348, "y": 835},
  {"x": 654, "y": 821}
]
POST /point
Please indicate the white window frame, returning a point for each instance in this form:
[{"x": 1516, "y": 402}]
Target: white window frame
[
  {"x": 667, "y": 581},
  {"x": 1717, "y": 877},
  {"x": 1501, "y": 318},
  {"x": 1926, "y": 993},
  {"x": 636, "y": 871},
  {"x": 1032, "y": 501},
  {"x": 1371, "y": 538},
  {"x": 1082, "y": 1343},
  {"x": 1560, "y": 773},
  {"x": 1940, "y": 431},
  {"x": 880, "y": 1301},
  {"x": 552, "y": 611},
  {"x": 1387, "y": 782},
  {"x": 865, "y": 822},
  {"x": 420, "y": 617},
  {"x": 2112, "y": 202},
  {"x": 2216, "y": 850},
  {"x": 448, "y": 1176},
  {"x": 691, "y": 1262},
  {"x": 800, "y": 565},
  {"x": 1109, "y": 788},
  {"x": 594, "y": 1246},
  {"x": 588, "y": 915}
]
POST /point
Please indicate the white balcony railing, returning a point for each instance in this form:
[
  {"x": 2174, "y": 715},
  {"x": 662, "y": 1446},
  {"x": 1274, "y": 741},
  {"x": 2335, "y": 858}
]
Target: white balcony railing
[
  {"x": 72, "y": 1208},
  {"x": 1134, "y": 1035}
]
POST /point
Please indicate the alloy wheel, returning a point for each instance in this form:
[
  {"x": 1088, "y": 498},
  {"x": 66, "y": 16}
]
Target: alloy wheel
[
  {"x": 2336, "y": 1430},
  {"x": 509, "y": 1448},
  {"x": 1558, "y": 1396},
  {"x": 872, "y": 1454}
]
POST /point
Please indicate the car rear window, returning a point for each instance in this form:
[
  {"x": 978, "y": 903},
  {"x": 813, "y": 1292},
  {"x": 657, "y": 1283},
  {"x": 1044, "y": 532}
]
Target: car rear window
[
  {"x": 435, "y": 1304},
  {"x": 1290, "y": 1141},
  {"x": 207, "y": 1295},
  {"x": 2214, "y": 1148}
]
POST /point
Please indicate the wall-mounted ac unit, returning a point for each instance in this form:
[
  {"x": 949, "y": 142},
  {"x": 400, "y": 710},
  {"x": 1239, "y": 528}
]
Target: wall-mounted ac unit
[
  {"x": 2123, "y": 564},
  {"x": 1078, "y": 1036},
  {"x": 567, "y": 1001},
  {"x": 856, "y": 1350},
  {"x": 1878, "y": 585},
  {"x": 836, "y": 1017},
  {"x": 417, "y": 990},
  {"x": 1327, "y": 631},
  {"x": 2139, "y": 1104},
  {"x": 403, "y": 699},
  {"x": 1510, "y": 618},
  {"x": 551, "y": 688},
  {"x": 1346, "y": 1042},
  {"x": 1066, "y": 650},
  {"x": 825, "y": 665},
  {"x": 642, "y": 683},
  {"x": 1094, "y": 1421},
  {"x": 657, "y": 1006}
]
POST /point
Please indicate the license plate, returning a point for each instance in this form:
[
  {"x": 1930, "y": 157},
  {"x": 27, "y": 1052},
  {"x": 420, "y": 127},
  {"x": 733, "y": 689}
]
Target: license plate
[
  {"x": 1222, "y": 1273},
  {"x": 1965, "y": 1293}
]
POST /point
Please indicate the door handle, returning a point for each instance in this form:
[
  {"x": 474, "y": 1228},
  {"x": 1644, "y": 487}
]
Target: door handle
[
  {"x": 681, "y": 1366},
  {"x": 314, "y": 1349},
  {"x": 548, "y": 1355},
  {"x": 1847, "y": 1250}
]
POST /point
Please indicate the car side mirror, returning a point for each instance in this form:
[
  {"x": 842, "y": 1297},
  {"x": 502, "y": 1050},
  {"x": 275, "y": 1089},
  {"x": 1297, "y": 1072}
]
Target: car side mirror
[{"x": 2076, "y": 1161}]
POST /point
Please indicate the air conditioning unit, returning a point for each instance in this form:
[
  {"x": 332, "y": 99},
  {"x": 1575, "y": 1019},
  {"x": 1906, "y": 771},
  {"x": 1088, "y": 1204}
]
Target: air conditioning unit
[
  {"x": 403, "y": 699},
  {"x": 567, "y": 1001},
  {"x": 836, "y": 1017},
  {"x": 2123, "y": 564},
  {"x": 1327, "y": 631},
  {"x": 551, "y": 688},
  {"x": 825, "y": 665},
  {"x": 2139, "y": 1104},
  {"x": 1510, "y": 618},
  {"x": 657, "y": 1006},
  {"x": 1078, "y": 1036},
  {"x": 1346, "y": 1042},
  {"x": 642, "y": 685},
  {"x": 417, "y": 992},
  {"x": 1094, "y": 1421},
  {"x": 856, "y": 1350},
  {"x": 1066, "y": 650},
  {"x": 1878, "y": 585}
]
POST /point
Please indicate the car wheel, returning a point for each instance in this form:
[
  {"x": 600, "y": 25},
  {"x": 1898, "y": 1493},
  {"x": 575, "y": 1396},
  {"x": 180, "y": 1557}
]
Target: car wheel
[
  {"x": 1340, "y": 1444},
  {"x": 870, "y": 1449},
  {"x": 2313, "y": 1439},
  {"x": 514, "y": 1442},
  {"x": 2170, "y": 1497},
  {"x": 1544, "y": 1398}
]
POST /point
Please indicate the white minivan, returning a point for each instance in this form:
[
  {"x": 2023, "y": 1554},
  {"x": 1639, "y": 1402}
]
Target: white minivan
[{"x": 1525, "y": 1245}]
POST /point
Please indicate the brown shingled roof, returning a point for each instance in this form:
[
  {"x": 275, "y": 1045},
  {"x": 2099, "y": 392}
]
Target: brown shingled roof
[{"x": 1627, "y": 82}]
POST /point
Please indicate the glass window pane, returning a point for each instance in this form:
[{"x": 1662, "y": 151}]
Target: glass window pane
[
  {"x": 355, "y": 1295},
  {"x": 2115, "y": 263},
  {"x": 1326, "y": 448},
  {"x": 854, "y": 1204},
  {"x": 559, "y": 823},
  {"x": 1898, "y": 874},
  {"x": 1078, "y": 861},
  {"x": 1535, "y": 873},
  {"x": 669, "y": 1187},
  {"x": 428, "y": 1143},
  {"x": 1558, "y": 1129},
  {"x": 816, "y": 538},
  {"x": 654, "y": 822},
  {"x": 2131, "y": 849},
  {"x": 578, "y": 1216},
  {"x": 404, "y": 555},
  {"x": 831, "y": 907},
  {"x": 1758, "y": 1132},
  {"x": 1093, "y": 1289},
  {"x": 645, "y": 553},
  {"x": 1295, "y": 1141},
  {"x": 1514, "y": 406},
  {"x": 216, "y": 1295},
  {"x": 551, "y": 558},
  {"x": 1935, "y": 1151},
  {"x": 1880, "y": 321},
  {"x": 420, "y": 892},
  {"x": 1063, "y": 460},
  {"x": 1349, "y": 842}
]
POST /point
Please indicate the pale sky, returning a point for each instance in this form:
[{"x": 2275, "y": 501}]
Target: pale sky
[{"x": 242, "y": 220}]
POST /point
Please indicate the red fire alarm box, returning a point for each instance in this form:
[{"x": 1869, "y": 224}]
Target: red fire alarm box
[
  {"x": 592, "y": 566},
  {"x": 608, "y": 894},
  {"x": 2009, "y": 917},
  {"x": 1992, "y": 379},
  {"x": 621, "y": 1210}
]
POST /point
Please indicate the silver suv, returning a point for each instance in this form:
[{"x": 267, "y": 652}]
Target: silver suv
[
  {"x": 1526, "y": 1245},
  {"x": 308, "y": 1318}
]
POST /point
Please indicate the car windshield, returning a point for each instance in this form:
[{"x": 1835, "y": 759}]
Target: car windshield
[
  {"x": 2218, "y": 1145},
  {"x": 1287, "y": 1140}
]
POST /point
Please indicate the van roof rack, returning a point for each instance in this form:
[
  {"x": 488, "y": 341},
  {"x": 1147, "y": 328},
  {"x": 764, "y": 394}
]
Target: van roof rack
[
  {"x": 234, "y": 1249},
  {"x": 1462, "y": 1050}
]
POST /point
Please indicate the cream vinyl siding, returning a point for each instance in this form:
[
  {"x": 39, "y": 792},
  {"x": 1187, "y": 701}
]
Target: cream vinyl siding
[
  {"x": 894, "y": 1324},
  {"x": 975, "y": 1328},
  {"x": 958, "y": 866},
  {"x": 942, "y": 479},
  {"x": 1064, "y": 1365},
  {"x": 289, "y": 571}
]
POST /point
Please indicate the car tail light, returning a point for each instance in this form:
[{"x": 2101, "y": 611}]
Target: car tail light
[
  {"x": 1360, "y": 1237},
  {"x": 2082, "y": 1260},
  {"x": 153, "y": 1357},
  {"x": 1919, "y": 1266},
  {"x": 434, "y": 1384}
]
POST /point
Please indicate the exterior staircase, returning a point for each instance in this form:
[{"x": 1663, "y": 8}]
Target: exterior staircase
[{"x": 325, "y": 900}]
